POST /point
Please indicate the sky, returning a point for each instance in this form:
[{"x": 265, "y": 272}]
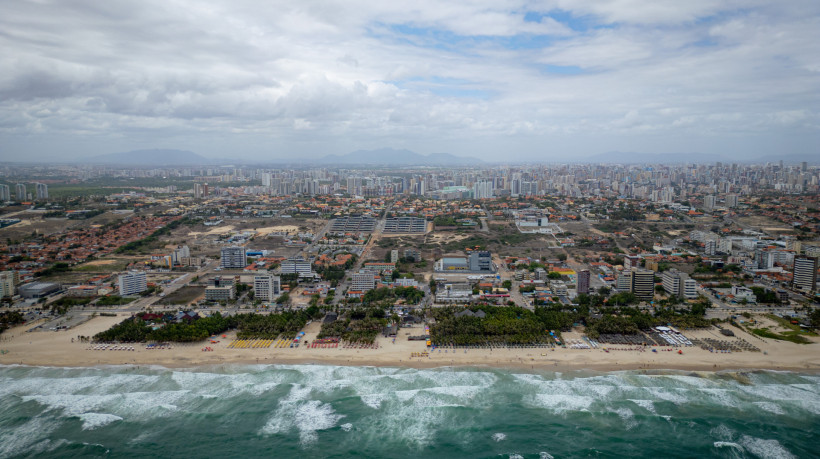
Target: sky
[{"x": 500, "y": 81}]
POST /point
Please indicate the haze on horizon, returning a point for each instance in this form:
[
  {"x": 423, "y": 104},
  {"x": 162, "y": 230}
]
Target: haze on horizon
[{"x": 523, "y": 80}]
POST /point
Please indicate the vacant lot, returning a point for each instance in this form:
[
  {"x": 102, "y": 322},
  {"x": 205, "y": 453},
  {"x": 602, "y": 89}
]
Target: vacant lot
[{"x": 184, "y": 295}]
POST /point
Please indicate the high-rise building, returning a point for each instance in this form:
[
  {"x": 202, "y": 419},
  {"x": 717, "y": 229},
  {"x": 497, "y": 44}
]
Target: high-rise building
[
  {"x": 7, "y": 284},
  {"x": 643, "y": 284},
  {"x": 394, "y": 256},
  {"x": 233, "y": 257},
  {"x": 731, "y": 200},
  {"x": 266, "y": 287},
  {"x": 42, "y": 191},
  {"x": 132, "y": 283},
  {"x": 362, "y": 282},
  {"x": 805, "y": 273},
  {"x": 5, "y": 193},
  {"x": 583, "y": 281},
  {"x": 709, "y": 202},
  {"x": 624, "y": 281},
  {"x": 21, "y": 192},
  {"x": 679, "y": 284},
  {"x": 710, "y": 247},
  {"x": 179, "y": 253}
]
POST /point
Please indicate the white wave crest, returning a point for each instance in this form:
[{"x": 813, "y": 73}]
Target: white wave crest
[
  {"x": 373, "y": 400},
  {"x": 560, "y": 403},
  {"x": 92, "y": 421},
  {"x": 347, "y": 427},
  {"x": 627, "y": 416},
  {"x": 770, "y": 407},
  {"x": 767, "y": 449},
  {"x": 645, "y": 404},
  {"x": 499, "y": 437},
  {"x": 306, "y": 416},
  {"x": 545, "y": 455}
]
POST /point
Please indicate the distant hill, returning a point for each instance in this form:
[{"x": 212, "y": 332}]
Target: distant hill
[
  {"x": 793, "y": 158},
  {"x": 159, "y": 157},
  {"x": 627, "y": 157},
  {"x": 393, "y": 157}
]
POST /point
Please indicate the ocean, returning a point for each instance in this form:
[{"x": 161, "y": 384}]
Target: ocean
[{"x": 340, "y": 412}]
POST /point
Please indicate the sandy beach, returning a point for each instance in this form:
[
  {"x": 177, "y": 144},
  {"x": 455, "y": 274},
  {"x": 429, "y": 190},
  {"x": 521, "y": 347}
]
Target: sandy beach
[{"x": 55, "y": 348}]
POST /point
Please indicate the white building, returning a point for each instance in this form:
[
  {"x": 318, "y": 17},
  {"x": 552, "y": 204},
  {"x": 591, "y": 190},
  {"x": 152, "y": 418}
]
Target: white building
[
  {"x": 42, "y": 190},
  {"x": 179, "y": 253},
  {"x": 743, "y": 293},
  {"x": 454, "y": 293},
  {"x": 297, "y": 265},
  {"x": 362, "y": 282},
  {"x": 213, "y": 293},
  {"x": 266, "y": 287},
  {"x": 5, "y": 193},
  {"x": 805, "y": 273},
  {"x": 132, "y": 283},
  {"x": 679, "y": 284},
  {"x": 7, "y": 284},
  {"x": 20, "y": 189}
]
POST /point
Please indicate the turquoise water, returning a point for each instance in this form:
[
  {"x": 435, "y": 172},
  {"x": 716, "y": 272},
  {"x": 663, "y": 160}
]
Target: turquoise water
[{"x": 339, "y": 412}]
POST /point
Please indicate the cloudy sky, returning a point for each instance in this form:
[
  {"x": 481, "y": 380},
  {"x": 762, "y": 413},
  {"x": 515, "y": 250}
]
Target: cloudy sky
[{"x": 511, "y": 80}]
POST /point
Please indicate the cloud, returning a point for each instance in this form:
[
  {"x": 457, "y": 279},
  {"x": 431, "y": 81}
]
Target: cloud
[{"x": 523, "y": 77}]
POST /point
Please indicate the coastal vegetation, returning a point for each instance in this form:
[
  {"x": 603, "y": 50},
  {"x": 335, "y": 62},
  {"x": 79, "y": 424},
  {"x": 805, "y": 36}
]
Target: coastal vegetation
[
  {"x": 9, "y": 319},
  {"x": 492, "y": 326},
  {"x": 359, "y": 325},
  {"x": 167, "y": 328}
]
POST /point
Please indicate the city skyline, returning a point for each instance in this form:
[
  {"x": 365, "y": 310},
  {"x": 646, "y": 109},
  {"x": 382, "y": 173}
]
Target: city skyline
[{"x": 525, "y": 82}]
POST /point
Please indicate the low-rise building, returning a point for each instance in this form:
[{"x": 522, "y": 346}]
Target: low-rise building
[{"x": 38, "y": 289}]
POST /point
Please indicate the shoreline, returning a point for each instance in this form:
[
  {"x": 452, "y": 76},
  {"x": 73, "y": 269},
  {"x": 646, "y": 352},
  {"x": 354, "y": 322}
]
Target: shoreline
[
  {"x": 658, "y": 369},
  {"x": 56, "y": 349}
]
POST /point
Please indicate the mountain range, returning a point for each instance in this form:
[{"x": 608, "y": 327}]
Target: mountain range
[
  {"x": 159, "y": 157},
  {"x": 393, "y": 157},
  {"x": 403, "y": 157}
]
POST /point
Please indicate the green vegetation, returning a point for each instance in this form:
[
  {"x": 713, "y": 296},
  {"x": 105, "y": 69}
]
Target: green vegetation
[
  {"x": 119, "y": 265},
  {"x": 271, "y": 326},
  {"x": 765, "y": 296},
  {"x": 500, "y": 326},
  {"x": 360, "y": 325},
  {"x": 791, "y": 336},
  {"x": 410, "y": 294},
  {"x": 183, "y": 295},
  {"x": 793, "y": 328},
  {"x": 709, "y": 269},
  {"x": 62, "y": 305},
  {"x": 9, "y": 319},
  {"x": 469, "y": 242},
  {"x": 59, "y": 267},
  {"x": 150, "y": 240},
  {"x": 163, "y": 329}
]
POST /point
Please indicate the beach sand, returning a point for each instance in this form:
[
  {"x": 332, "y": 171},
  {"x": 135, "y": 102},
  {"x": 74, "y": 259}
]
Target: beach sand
[{"x": 55, "y": 348}]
